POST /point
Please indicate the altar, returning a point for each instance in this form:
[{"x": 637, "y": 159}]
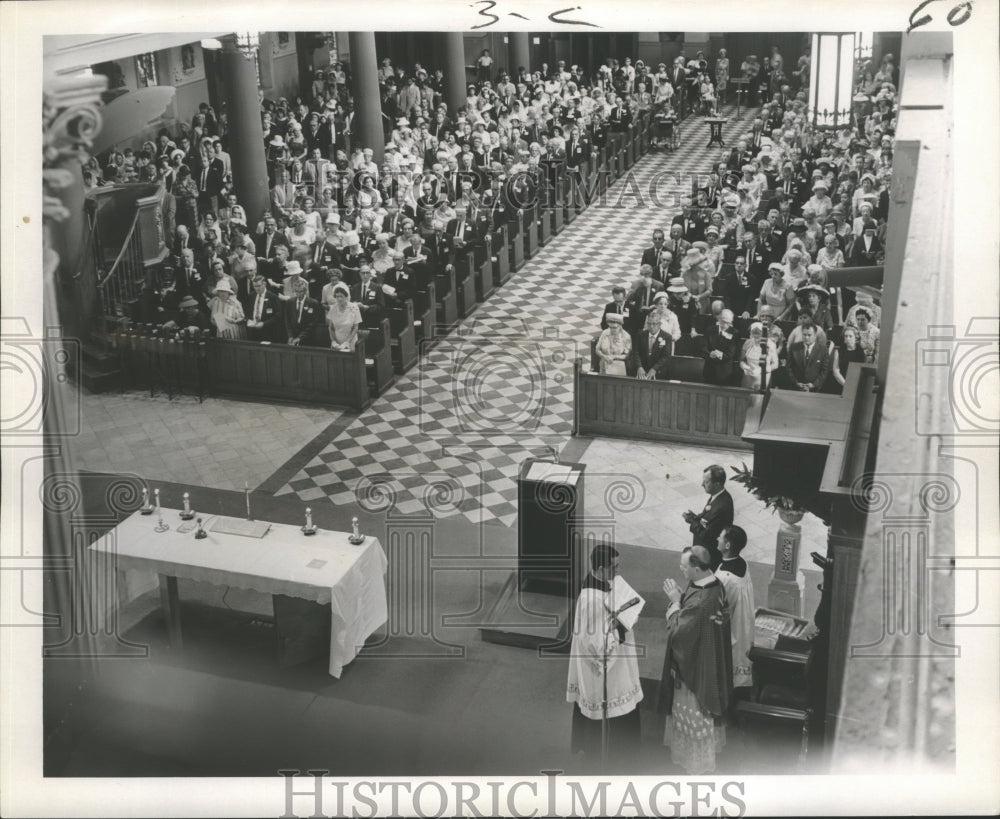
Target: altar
[{"x": 311, "y": 579}]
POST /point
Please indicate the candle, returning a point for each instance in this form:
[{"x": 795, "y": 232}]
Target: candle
[
  {"x": 246, "y": 492},
  {"x": 187, "y": 503},
  {"x": 145, "y": 496},
  {"x": 354, "y": 528},
  {"x": 156, "y": 495},
  {"x": 309, "y": 518}
]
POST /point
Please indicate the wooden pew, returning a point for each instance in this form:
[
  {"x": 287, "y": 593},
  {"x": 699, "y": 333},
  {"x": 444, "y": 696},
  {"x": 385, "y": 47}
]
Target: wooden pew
[
  {"x": 500, "y": 256},
  {"x": 378, "y": 358},
  {"x": 544, "y": 225},
  {"x": 403, "y": 335},
  {"x": 530, "y": 233},
  {"x": 629, "y": 148},
  {"x": 465, "y": 281},
  {"x": 447, "y": 298},
  {"x": 425, "y": 312},
  {"x": 314, "y": 375},
  {"x": 484, "y": 280},
  {"x": 516, "y": 245}
]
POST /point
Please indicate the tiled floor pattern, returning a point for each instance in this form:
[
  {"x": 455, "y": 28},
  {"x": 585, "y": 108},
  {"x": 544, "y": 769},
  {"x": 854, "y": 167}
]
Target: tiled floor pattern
[
  {"x": 449, "y": 435},
  {"x": 217, "y": 443}
]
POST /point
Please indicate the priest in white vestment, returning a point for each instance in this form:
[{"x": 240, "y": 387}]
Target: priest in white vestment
[
  {"x": 734, "y": 574},
  {"x": 598, "y": 632}
]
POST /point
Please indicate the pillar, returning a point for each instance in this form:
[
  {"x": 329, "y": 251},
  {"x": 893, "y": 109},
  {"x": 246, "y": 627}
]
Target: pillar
[
  {"x": 454, "y": 69},
  {"x": 246, "y": 136},
  {"x": 366, "y": 129},
  {"x": 519, "y": 52}
]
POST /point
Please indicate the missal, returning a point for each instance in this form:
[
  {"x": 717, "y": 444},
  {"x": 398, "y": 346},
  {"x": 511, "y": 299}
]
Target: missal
[{"x": 238, "y": 526}]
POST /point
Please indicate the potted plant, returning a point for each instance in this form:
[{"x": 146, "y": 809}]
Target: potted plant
[{"x": 790, "y": 507}]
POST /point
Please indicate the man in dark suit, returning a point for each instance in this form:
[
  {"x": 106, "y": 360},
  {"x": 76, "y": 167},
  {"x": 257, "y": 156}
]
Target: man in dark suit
[
  {"x": 808, "y": 360},
  {"x": 263, "y": 312},
  {"x": 642, "y": 300},
  {"x": 692, "y": 225},
  {"x": 188, "y": 278},
  {"x": 736, "y": 289},
  {"x": 266, "y": 242},
  {"x": 210, "y": 179},
  {"x": 368, "y": 295},
  {"x": 577, "y": 149},
  {"x": 716, "y": 516},
  {"x": 655, "y": 255},
  {"x": 616, "y": 305},
  {"x": 652, "y": 348},
  {"x": 324, "y": 253},
  {"x": 302, "y": 315},
  {"x": 678, "y": 246},
  {"x": 399, "y": 280},
  {"x": 723, "y": 348}
]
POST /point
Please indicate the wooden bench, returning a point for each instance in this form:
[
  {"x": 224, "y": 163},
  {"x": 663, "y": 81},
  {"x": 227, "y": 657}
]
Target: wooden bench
[
  {"x": 378, "y": 358},
  {"x": 403, "y": 338}
]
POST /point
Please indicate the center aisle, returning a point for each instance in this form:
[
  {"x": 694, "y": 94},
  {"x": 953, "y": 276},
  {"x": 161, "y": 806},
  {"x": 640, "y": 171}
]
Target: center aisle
[{"x": 449, "y": 436}]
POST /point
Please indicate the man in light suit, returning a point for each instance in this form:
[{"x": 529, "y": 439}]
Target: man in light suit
[
  {"x": 808, "y": 360},
  {"x": 717, "y": 515}
]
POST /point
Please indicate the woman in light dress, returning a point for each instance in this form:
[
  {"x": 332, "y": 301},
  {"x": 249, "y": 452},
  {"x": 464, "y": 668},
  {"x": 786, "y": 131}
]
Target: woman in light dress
[
  {"x": 343, "y": 319},
  {"x": 614, "y": 347}
]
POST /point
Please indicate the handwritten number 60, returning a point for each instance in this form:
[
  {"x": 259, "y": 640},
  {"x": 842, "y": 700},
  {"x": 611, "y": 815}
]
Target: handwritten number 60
[{"x": 958, "y": 15}]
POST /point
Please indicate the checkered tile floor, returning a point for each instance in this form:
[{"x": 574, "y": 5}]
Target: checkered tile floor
[{"x": 448, "y": 438}]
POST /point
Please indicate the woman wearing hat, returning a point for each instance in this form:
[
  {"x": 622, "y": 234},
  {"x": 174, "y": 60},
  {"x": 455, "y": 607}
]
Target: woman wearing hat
[
  {"x": 343, "y": 319},
  {"x": 815, "y": 301},
  {"x": 868, "y": 334},
  {"x": 713, "y": 250},
  {"x": 300, "y": 237},
  {"x": 750, "y": 358},
  {"x": 698, "y": 272},
  {"x": 227, "y": 312},
  {"x": 185, "y": 192},
  {"x": 614, "y": 347},
  {"x": 776, "y": 293}
]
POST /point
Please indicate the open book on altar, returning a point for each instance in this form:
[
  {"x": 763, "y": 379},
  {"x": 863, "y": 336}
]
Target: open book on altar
[{"x": 624, "y": 600}]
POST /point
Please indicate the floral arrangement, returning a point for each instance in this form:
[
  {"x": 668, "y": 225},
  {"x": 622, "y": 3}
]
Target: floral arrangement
[
  {"x": 805, "y": 501},
  {"x": 759, "y": 489}
]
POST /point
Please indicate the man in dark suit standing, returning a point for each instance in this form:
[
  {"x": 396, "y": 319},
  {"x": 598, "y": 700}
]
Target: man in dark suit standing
[
  {"x": 723, "y": 347},
  {"x": 210, "y": 179},
  {"x": 369, "y": 297},
  {"x": 577, "y": 149},
  {"x": 188, "y": 279},
  {"x": 808, "y": 360},
  {"x": 324, "y": 253},
  {"x": 641, "y": 302},
  {"x": 678, "y": 246},
  {"x": 716, "y": 516},
  {"x": 654, "y": 256},
  {"x": 266, "y": 242},
  {"x": 302, "y": 314},
  {"x": 736, "y": 290},
  {"x": 616, "y": 305},
  {"x": 692, "y": 225},
  {"x": 652, "y": 348},
  {"x": 263, "y": 312}
]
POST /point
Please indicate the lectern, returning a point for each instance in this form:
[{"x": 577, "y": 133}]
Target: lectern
[
  {"x": 534, "y": 608},
  {"x": 549, "y": 504}
]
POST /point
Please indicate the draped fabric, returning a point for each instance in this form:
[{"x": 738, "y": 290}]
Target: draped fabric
[{"x": 739, "y": 596}]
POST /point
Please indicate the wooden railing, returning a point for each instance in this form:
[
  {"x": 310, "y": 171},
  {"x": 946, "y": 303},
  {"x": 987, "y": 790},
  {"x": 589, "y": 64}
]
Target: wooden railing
[
  {"x": 620, "y": 407},
  {"x": 250, "y": 369},
  {"x": 125, "y": 278}
]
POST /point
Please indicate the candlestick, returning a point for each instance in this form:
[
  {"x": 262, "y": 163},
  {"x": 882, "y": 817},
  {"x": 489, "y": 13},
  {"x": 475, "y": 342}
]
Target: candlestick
[
  {"x": 310, "y": 527},
  {"x": 356, "y": 536},
  {"x": 146, "y": 508},
  {"x": 246, "y": 493},
  {"x": 156, "y": 502},
  {"x": 201, "y": 533},
  {"x": 187, "y": 514}
]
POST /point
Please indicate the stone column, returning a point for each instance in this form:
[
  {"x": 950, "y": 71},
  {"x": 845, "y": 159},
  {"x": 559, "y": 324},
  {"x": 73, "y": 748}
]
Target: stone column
[
  {"x": 366, "y": 128},
  {"x": 453, "y": 45},
  {"x": 519, "y": 52},
  {"x": 784, "y": 592},
  {"x": 246, "y": 136}
]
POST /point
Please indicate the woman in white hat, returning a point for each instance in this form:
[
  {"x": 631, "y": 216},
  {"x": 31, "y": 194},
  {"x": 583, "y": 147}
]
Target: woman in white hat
[
  {"x": 698, "y": 272},
  {"x": 614, "y": 346},
  {"x": 343, "y": 319},
  {"x": 820, "y": 201},
  {"x": 227, "y": 312},
  {"x": 713, "y": 250}
]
